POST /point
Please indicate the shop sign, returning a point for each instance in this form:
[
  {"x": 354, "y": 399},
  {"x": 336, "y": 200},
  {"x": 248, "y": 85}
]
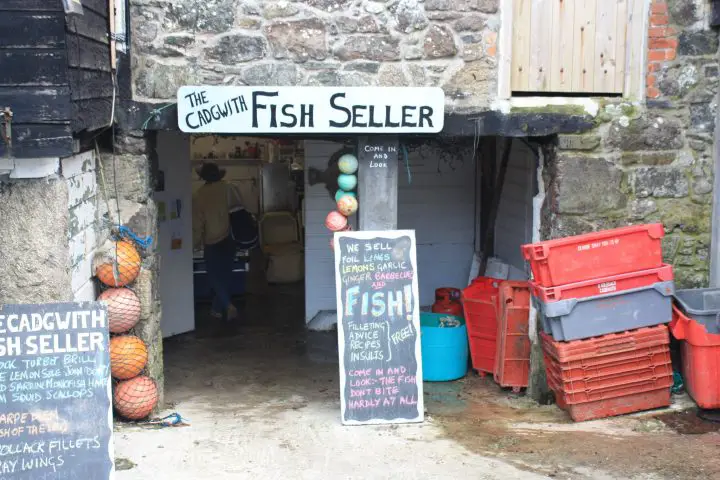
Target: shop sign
[{"x": 296, "y": 110}]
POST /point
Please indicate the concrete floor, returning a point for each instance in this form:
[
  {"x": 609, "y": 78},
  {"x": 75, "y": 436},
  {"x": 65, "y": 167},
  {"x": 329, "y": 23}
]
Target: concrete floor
[{"x": 263, "y": 401}]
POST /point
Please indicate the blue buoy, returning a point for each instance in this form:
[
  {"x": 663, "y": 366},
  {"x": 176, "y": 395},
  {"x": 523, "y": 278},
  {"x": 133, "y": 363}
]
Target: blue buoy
[
  {"x": 347, "y": 182},
  {"x": 444, "y": 349},
  {"x": 341, "y": 193}
]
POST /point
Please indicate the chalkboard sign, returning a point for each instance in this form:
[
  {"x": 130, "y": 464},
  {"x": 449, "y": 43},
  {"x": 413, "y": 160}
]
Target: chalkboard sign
[
  {"x": 55, "y": 407},
  {"x": 378, "y": 182},
  {"x": 378, "y": 327}
]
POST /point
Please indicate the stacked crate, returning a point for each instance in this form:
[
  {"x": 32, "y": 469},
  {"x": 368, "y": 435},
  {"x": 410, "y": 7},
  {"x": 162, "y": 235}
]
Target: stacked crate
[
  {"x": 496, "y": 312},
  {"x": 602, "y": 300}
]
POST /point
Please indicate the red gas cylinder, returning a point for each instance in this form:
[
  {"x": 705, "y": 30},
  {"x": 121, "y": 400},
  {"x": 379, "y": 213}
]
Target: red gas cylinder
[{"x": 447, "y": 300}]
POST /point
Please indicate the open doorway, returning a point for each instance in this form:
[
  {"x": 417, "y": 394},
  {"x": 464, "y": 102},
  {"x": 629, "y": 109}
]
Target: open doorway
[
  {"x": 268, "y": 174},
  {"x": 289, "y": 184}
]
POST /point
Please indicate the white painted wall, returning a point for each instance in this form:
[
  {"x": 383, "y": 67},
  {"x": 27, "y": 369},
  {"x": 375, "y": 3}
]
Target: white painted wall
[
  {"x": 79, "y": 171},
  {"x": 513, "y": 227},
  {"x": 437, "y": 202},
  {"x": 176, "y": 266}
]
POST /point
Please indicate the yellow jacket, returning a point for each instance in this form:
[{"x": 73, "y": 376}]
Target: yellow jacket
[{"x": 211, "y": 212}]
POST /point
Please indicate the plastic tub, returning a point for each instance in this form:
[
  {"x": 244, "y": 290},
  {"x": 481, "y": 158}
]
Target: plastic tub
[
  {"x": 578, "y": 318},
  {"x": 702, "y": 305},
  {"x": 700, "y": 352},
  {"x": 593, "y": 255},
  {"x": 444, "y": 349}
]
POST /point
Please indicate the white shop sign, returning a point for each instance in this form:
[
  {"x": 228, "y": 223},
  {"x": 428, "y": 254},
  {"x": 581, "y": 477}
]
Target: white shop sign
[{"x": 255, "y": 110}]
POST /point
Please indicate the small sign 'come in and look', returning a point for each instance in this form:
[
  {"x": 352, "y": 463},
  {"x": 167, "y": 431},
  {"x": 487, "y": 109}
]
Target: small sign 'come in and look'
[{"x": 380, "y": 110}]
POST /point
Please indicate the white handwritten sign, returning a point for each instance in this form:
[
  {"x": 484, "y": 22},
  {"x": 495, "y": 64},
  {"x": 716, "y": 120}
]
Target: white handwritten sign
[{"x": 386, "y": 110}]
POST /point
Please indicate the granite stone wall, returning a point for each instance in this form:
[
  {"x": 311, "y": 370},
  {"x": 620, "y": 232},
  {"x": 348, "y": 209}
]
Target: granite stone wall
[
  {"x": 652, "y": 163},
  {"x": 446, "y": 43}
]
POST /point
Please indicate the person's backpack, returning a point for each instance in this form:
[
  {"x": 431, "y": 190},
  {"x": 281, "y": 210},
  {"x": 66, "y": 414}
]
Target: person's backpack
[{"x": 243, "y": 225}]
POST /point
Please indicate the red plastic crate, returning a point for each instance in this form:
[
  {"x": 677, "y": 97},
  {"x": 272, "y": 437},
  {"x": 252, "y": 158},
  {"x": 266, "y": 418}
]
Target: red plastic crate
[
  {"x": 611, "y": 344},
  {"x": 612, "y": 407},
  {"x": 700, "y": 352},
  {"x": 581, "y": 389},
  {"x": 617, "y": 364},
  {"x": 595, "y": 255},
  {"x": 512, "y": 359},
  {"x": 604, "y": 285},
  {"x": 480, "y": 307},
  {"x": 482, "y": 353}
]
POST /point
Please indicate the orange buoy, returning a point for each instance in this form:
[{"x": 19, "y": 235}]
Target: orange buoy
[
  {"x": 134, "y": 399},
  {"x": 128, "y": 357},
  {"x": 122, "y": 266},
  {"x": 123, "y": 308}
]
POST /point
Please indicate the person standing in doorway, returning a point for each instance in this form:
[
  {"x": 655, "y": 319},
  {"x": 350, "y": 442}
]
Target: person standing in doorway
[{"x": 212, "y": 204}]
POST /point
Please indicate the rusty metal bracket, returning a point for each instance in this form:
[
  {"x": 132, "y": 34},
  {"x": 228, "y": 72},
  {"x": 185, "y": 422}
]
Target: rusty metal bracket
[{"x": 6, "y": 128}]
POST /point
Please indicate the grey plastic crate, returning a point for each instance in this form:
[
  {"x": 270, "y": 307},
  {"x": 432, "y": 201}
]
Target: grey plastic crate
[
  {"x": 702, "y": 305},
  {"x": 578, "y": 318}
]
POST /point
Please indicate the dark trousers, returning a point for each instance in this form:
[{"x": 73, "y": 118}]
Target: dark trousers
[{"x": 219, "y": 259}]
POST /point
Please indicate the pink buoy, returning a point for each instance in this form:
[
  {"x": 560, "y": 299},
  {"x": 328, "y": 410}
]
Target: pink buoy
[{"x": 336, "y": 221}]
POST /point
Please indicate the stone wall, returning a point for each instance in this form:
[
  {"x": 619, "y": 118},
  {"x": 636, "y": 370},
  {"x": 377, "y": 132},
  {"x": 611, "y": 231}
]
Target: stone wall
[
  {"x": 128, "y": 174},
  {"x": 446, "y": 43},
  {"x": 653, "y": 164}
]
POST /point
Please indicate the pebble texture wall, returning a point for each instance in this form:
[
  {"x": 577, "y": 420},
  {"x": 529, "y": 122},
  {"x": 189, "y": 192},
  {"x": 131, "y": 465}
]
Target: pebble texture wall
[{"x": 446, "y": 43}]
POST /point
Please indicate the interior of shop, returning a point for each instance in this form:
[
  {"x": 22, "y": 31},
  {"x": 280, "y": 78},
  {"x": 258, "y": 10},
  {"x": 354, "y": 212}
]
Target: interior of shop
[{"x": 286, "y": 295}]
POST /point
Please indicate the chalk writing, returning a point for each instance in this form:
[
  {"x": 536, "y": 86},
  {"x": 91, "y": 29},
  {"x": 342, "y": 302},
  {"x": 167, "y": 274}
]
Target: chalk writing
[
  {"x": 54, "y": 392},
  {"x": 379, "y": 321}
]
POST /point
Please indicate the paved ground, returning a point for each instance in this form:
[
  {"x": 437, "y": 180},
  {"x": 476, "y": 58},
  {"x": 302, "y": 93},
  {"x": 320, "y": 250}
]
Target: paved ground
[{"x": 263, "y": 401}]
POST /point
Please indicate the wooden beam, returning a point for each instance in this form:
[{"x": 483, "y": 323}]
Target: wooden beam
[
  {"x": 378, "y": 182},
  {"x": 33, "y": 67},
  {"x": 37, "y": 104},
  {"x": 33, "y": 141},
  {"x": 32, "y": 30},
  {"x": 113, "y": 45},
  {"x": 494, "y": 207}
]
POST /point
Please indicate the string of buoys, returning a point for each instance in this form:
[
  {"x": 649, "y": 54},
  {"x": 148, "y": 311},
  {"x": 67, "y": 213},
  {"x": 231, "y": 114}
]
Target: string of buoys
[
  {"x": 117, "y": 267},
  {"x": 345, "y": 198}
]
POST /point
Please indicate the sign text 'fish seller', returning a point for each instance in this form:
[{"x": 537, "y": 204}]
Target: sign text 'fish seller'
[{"x": 385, "y": 110}]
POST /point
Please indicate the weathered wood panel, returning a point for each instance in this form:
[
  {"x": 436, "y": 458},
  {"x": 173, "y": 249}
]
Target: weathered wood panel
[
  {"x": 87, "y": 84},
  {"x": 97, "y": 6},
  {"x": 91, "y": 114},
  {"x": 522, "y": 10},
  {"x": 84, "y": 53},
  {"x": 541, "y": 38},
  {"x": 34, "y": 5},
  {"x": 37, "y": 105},
  {"x": 33, "y": 67},
  {"x": 570, "y": 46},
  {"x": 39, "y": 140},
  {"x": 90, "y": 25},
  {"x": 563, "y": 16},
  {"x": 32, "y": 30}
]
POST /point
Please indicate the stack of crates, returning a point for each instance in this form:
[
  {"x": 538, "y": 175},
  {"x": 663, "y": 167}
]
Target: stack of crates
[
  {"x": 496, "y": 314},
  {"x": 603, "y": 299}
]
